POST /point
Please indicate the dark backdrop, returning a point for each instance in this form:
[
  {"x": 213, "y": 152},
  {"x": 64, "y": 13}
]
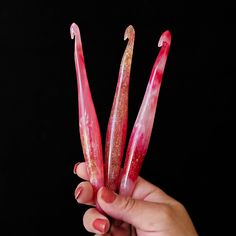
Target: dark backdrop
[{"x": 189, "y": 152}]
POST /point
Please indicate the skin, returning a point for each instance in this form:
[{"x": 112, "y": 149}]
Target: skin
[{"x": 148, "y": 212}]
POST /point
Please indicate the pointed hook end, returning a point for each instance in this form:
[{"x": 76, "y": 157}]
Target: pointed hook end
[
  {"x": 74, "y": 31},
  {"x": 129, "y": 32},
  {"x": 165, "y": 38}
]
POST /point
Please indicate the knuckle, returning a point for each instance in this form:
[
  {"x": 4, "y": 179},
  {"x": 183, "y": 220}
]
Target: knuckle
[
  {"x": 166, "y": 212},
  {"x": 128, "y": 204},
  {"x": 179, "y": 207}
]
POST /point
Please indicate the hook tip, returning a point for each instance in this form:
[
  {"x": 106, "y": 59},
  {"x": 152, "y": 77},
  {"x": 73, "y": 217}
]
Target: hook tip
[
  {"x": 165, "y": 38},
  {"x": 74, "y": 30},
  {"x": 129, "y": 32}
]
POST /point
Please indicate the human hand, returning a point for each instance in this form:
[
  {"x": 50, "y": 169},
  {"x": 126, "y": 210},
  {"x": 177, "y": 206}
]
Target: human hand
[{"x": 148, "y": 212}]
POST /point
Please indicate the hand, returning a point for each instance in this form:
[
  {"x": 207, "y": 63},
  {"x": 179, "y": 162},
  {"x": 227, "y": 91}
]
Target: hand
[{"x": 148, "y": 212}]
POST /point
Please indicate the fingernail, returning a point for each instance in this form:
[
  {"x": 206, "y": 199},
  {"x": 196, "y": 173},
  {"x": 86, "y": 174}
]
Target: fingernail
[
  {"x": 78, "y": 191},
  {"x": 107, "y": 195},
  {"x": 75, "y": 167},
  {"x": 100, "y": 225}
]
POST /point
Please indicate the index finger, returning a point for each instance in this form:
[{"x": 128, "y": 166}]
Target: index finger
[{"x": 143, "y": 190}]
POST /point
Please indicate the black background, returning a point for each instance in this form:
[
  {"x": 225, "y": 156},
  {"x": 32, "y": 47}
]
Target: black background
[{"x": 190, "y": 148}]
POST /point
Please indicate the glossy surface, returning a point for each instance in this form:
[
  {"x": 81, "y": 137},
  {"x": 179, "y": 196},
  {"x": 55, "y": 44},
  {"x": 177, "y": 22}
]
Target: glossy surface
[
  {"x": 141, "y": 133},
  {"x": 88, "y": 123},
  {"x": 117, "y": 125}
]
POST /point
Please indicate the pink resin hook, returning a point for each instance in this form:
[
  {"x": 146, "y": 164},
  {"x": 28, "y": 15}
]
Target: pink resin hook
[
  {"x": 117, "y": 125},
  {"x": 88, "y": 123},
  {"x": 141, "y": 133}
]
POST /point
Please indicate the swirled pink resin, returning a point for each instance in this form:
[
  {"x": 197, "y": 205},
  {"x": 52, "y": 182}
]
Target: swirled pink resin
[
  {"x": 141, "y": 133},
  {"x": 88, "y": 123},
  {"x": 117, "y": 125}
]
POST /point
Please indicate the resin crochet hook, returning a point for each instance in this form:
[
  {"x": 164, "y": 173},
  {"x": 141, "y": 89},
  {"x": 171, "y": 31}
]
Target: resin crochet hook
[
  {"x": 90, "y": 134},
  {"x": 117, "y": 125},
  {"x": 141, "y": 133}
]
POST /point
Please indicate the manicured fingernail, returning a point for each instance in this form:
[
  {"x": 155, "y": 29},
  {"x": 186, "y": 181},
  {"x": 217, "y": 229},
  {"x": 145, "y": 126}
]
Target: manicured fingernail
[
  {"x": 75, "y": 167},
  {"x": 101, "y": 225},
  {"x": 107, "y": 195},
  {"x": 78, "y": 191}
]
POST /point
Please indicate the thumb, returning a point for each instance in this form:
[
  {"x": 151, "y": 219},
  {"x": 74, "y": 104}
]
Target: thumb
[{"x": 141, "y": 214}]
